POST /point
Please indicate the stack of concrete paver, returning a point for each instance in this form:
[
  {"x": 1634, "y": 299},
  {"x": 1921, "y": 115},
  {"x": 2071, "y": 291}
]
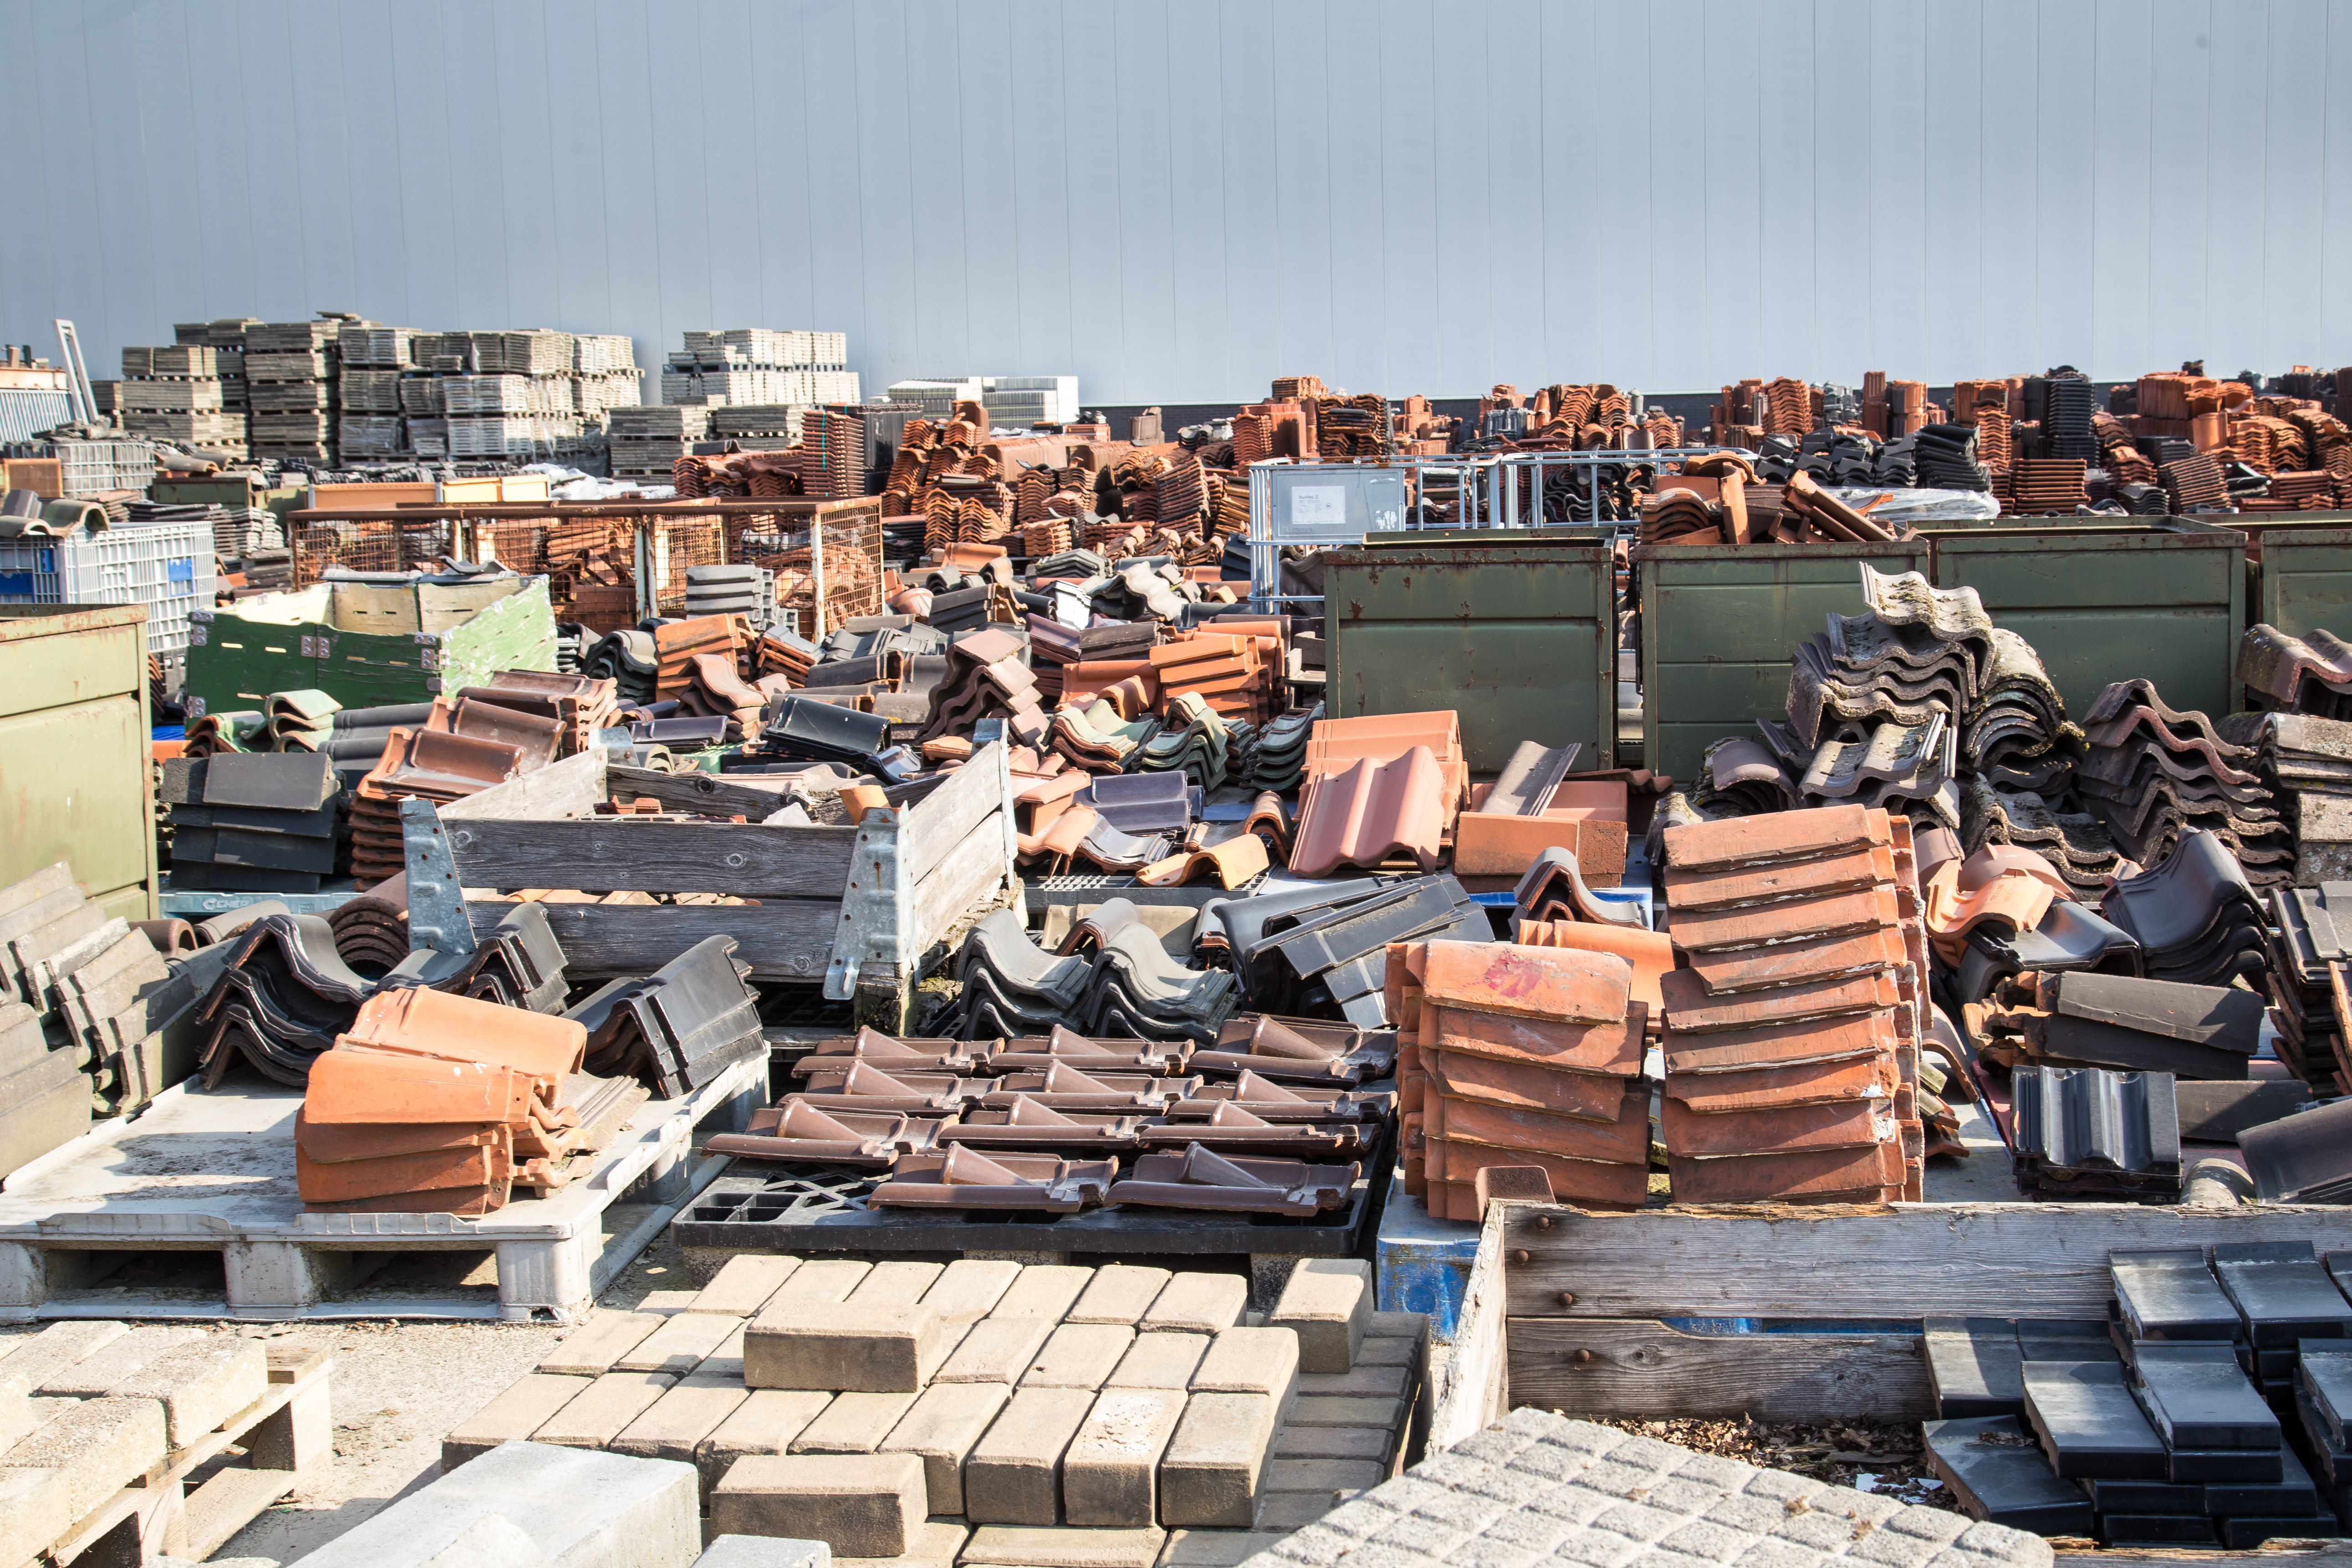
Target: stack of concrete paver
[{"x": 985, "y": 1412}]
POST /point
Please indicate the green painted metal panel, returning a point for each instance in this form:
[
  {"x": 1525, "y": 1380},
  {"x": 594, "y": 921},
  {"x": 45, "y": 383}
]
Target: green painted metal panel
[
  {"x": 1517, "y": 635},
  {"x": 2303, "y": 570},
  {"x": 1719, "y": 624},
  {"x": 75, "y": 782},
  {"x": 2101, "y": 603}
]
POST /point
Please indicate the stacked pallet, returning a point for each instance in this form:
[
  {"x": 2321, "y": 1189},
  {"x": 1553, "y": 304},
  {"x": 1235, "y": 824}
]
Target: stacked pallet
[
  {"x": 371, "y": 361},
  {"x": 225, "y": 338},
  {"x": 174, "y": 393},
  {"x": 760, "y": 365},
  {"x": 515, "y": 393},
  {"x": 646, "y": 441},
  {"x": 290, "y": 370}
]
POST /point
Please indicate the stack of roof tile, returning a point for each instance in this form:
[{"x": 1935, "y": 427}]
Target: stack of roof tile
[
  {"x": 1327, "y": 948},
  {"x": 719, "y": 691},
  {"x": 1946, "y": 456},
  {"x": 2015, "y": 732},
  {"x": 1919, "y": 652},
  {"x": 2043, "y": 487},
  {"x": 2075, "y": 842},
  {"x": 2197, "y": 916},
  {"x": 2297, "y": 675},
  {"x": 438, "y": 1104},
  {"x": 677, "y": 644},
  {"x": 1740, "y": 777},
  {"x": 2086, "y": 1132},
  {"x": 580, "y": 706},
  {"x": 2306, "y": 763},
  {"x": 1126, "y": 987},
  {"x": 2308, "y": 954},
  {"x": 677, "y": 1028},
  {"x": 1191, "y": 739},
  {"x": 2155, "y": 774},
  {"x": 1792, "y": 1038},
  {"x": 1230, "y": 673},
  {"x": 627, "y": 659},
  {"x": 438, "y": 765},
  {"x": 1279, "y": 761},
  {"x": 986, "y": 678},
  {"x": 2194, "y": 483},
  {"x": 1377, "y": 789},
  {"x": 284, "y": 992},
  {"x": 1525, "y": 1056},
  {"x": 262, "y": 822}
]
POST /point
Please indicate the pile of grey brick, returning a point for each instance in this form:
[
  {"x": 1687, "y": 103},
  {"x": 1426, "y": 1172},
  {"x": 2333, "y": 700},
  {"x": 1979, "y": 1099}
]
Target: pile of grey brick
[
  {"x": 1537, "y": 1486},
  {"x": 988, "y": 1412}
]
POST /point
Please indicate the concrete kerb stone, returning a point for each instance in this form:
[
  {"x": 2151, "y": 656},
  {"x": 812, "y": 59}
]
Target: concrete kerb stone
[
  {"x": 675, "y": 1426},
  {"x": 36, "y": 1504},
  {"x": 603, "y": 1410},
  {"x": 765, "y": 1422},
  {"x": 1079, "y": 1355},
  {"x": 1160, "y": 1361},
  {"x": 1026, "y": 1546},
  {"x": 900, "y": 1284},
  {"x": 969, "y": 1289},
  {"x": 681, "y": 1343},
  {"x": 765, "y": 1551},
  {"x": 1214, "y": 1468},
  {"x": 853, "y": 1423},
  {"x": 1250, "y": 1360},
  {"x": 1120, "y": 1293},
  {"x": 591, "y": 1349},
  {"x": 1043, "y": 1290},
  {"x": 936, "y": 1544},
  {"x": 996, "y": 1350},
  {"x": 96, "y": 1448},
  {"x": 1329, "y": 1303},
  {"x": 579, "y": 1508},
  {"x": 40, "y": 1357},
  {"x": 865, "y": 1505}
]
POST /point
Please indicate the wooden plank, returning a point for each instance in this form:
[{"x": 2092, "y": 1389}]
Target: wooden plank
[
  {"x": 229, "y": 1502},
  {"x": 697, "y": 791},
  {"x": 1906, "y": 1262},
  {"x": 944, "y": 896},
  {"x": 1475, "y": 1378},
  {"x": 568, "y": 788},
  {"x": 609, "y": 854},
  {"x": 947, "y": 817},
  {"x": 1637, "y": 1367},
  {"x": 789, "y": 939}
]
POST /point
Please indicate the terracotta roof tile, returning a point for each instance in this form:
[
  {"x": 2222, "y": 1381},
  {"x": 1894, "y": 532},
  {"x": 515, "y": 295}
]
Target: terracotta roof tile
[
  {"x": 1529, "y": 983},
  {"x": 1371, "y": 812},
  {"x": 1752, "y": 841}
]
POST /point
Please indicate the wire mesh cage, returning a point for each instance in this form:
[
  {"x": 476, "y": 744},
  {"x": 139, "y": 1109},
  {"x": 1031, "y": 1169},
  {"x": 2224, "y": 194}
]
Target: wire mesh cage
[{"x": 360, "y": 546}]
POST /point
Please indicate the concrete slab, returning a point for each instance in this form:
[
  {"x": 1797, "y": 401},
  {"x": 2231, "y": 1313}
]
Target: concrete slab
[
  {"x": 1079, "y": 1355},
  {"x": 1120, "y": 1293},
  {"x": 853, "y": 1423},
  {"x": 941, "y": 1429},
  {"x": 765, "y": 1422},
  {"x": 743, "y": 1284},
  {"x": 1043, "y": 1290},
  {"x": 996, "y": 1350},
  {"x": 970, "y": 1287},
  {"x": 1160, "y": 1361}
]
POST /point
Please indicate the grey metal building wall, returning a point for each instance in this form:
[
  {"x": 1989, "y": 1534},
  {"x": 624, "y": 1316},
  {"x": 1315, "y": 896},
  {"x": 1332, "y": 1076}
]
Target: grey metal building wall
[{"x": 1180, "y": 199}]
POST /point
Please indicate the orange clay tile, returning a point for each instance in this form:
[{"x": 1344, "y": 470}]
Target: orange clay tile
[
  {"x": 1845, "y": 872},
  {"x": 1797, "y": 963},
  {"x": 1570, "y": 1047},
  {"x": 1780, "y": 1044},
  {"x": 1690, "y": 1010},
  {"x": 1836, "y": 1175},
  {"x": 1371, "y": 812},
  {"x": 420, "y": 1022},
  {"x": 1612, "y": 1130},
  {"x": 1832, "y": 914},
  {"x": 1528, "y": 981},
  {"x": 1651, "y": 952},
  {"x": 1762, "y": 1088},
  {"x": 345, "y": 1088},
  {"x": 1588, "y": 1097},
  {"x": 1776, "y": 836},
  {"x": 1842, "y": 1124}
]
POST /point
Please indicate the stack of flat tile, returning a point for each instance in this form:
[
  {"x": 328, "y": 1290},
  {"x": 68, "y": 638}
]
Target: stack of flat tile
[
  {"x": 2045, "y": 486},
  {"x": 1229, "y": 673},
  {"x": 437, "y": 765},
  {"x": 2197, "y": 916},
  {"x": 438, "y": 1104},
  {"x": 1791, "y": 1039},
  {"x": 676, "y": 645},
  {"x": 2128, "y": 1023},
  {"x": 2308, "y": 955},
  {"x": 677, "y": 1028},
  {"x": 746, "y": 590},
  {"x": 2156, "y": 775},
  {"x": 780, "y": 651},
  {"x": 579, "y": 704},
  {"x": 1126, "y": 987},
  {"x": 1677, "y": 514},
  {"x": 1377, "y": 788},
  {"x": 1946, "y": 456},
  {"x": 986, "y": 678},
  {"x": 254, "y": 821},
  {"x": 2194, "y": 483},
  {"x": 2075, "y": 842},
  {"x": 2086, "y": 1132},
  {"x": 2015, "y": 733},
  {"x": 2306, "y": 763},
  {"x": 1526, "y": 1057}
]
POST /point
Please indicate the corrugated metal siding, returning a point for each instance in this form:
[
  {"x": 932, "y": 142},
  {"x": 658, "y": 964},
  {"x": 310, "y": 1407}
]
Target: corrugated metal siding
[
  {"x": 1178, "y": 199},
  {"x": 25, "y": 410}
]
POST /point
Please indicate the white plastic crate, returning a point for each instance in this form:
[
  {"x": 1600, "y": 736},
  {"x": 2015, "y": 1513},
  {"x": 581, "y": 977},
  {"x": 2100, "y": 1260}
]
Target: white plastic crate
[{"x": 166, "y": 567}]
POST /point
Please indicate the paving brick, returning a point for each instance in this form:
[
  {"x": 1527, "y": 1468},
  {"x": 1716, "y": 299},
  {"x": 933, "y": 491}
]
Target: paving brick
[
  {"x": 681, "y": 1344},
  {"x": 822, "y": 1279},
  {"x": 970, "y": 1287},
  {"x": 1324, "y": 1474},
  {"x": 1034, "y": 1546},
  {"x": 995, "y": 1350},
  {"x": 1079, "y": 1355},
  {"x": 667, "y": 1302},
  {"x": 97, "y": 1447},
  {"x": 1110, "y": 1473},
  {"x": 1398, "y": 1325},
  {"x": 1215, "y": 1466},
  {"x": 877, "y": 1350},
  {"x": 893, "y": 1285},
  {"x": 1393, "y": 1351},
  {"x": 601, "y": 1411},
  {"x": 1287, "y": 1510},
  {"x": 1013, "y": 1475},
  {"x": 742, "y": 1286},
  {"x": 675, "y": 1426},
  {"x": 1250, "y": 1360},
  {"x": 19, "y": 1417},
  {"x": 1044, "y": 1291},
  {"x": 763, "y": 1552},
  {"x": 946, "y": 1422},
  {"x": 527, "y": 1404},
  {"x": 1120, "y": 1293},
  {"x": 1369, "y": 1381},
  {"x": 1334, "y": 1443},
  {"x": 1329, "y": 1303},
  {"x": 853, "y": 1423},
  {"x": 200, "y": 1385},
  {"x": 1160, "y": 1361},
  {"x": 595, "y": 1345},
  {"x": 726, "y": 1357},
  {"x": 1324, "y": 1410},
  {"x": 1214, "y": 1548},
  {"x": 35, "y": 1508},
  {"x": 36, "y": 1358},
  {"x": 765, "y": 1422},
  {"x": 99, "y": 1372},
  {"x": 936, "y": 1544},
  {"x": 1197, "y": 1304},
  {"x": 860, "y": 1506}
]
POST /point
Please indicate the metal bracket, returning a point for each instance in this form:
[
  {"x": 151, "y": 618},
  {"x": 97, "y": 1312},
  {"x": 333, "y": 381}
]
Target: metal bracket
[
  {"x": 436, "y": 904},
  {"x": 874, "y": 907}
]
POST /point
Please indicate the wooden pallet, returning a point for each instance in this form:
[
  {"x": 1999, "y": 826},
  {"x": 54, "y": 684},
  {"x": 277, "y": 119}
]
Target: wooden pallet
[{"x": 288, "y": 1436}]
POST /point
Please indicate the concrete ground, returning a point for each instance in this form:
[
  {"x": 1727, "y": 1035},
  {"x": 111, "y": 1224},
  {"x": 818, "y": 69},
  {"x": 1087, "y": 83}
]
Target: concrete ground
[{"x": 397, "y": 1387}]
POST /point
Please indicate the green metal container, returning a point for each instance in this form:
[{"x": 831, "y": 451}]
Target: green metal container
[
  {"x": 74, "y": 768},
  {"x": 1719, "y": 625},
  {"x": 2102, "y": 601},
  {"x": 1516, "y": 631},
  {"x": 367, "y": 645},
  {"x": 2300, "y": 566}
]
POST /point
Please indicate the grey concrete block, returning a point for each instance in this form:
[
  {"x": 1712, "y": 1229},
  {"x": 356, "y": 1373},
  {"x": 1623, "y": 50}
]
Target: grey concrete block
[
  {"x": 765, "y": 1422},
  {"x": 1288, "y": 1510},
  {"x": 489, "y": 1542},
  {"x": 853, "y": 1423},
  {"x": 1329, "y": 1303},
  {"x": 1079, "y": 1355},
  {"x": 1326, "y": 1410},
  {"x": 765, "y": 1551},
  {"x": 995, "y": 1350},
  {"x": 1197, "y": 1304},
  {"x": 36, "y": 1358},
  {"x": 1369, "y": 1443},
  {"x": 1160, "y": 1361},
  {"x": 1214, "y": 1548},
  {"x": 580, "y": 1508},
  {"x": 726, "y": 1357},
  {"x": 1214, "y": 1469},
  {"x": 1043, "y": 1290},
  {"x": 859, "y": 1505},
  {"x": 941, "y": 1429},
  {"x": 98, "y": 1448},
  {"x": 1119, "y": 1293},
  {"x": 521, "y": 1408},
  {"x": 1013, "y": 1474},
  {"x": 970, "y": 1287},
  {"x": 1110, "y": 1471},
  {"x": 1365, "y": 1382},
  {"x": 36, "y": 1505},
  {"x": 879, "y": 1349},
  {"x": 103, "y": 1368},
  {"x": 1013, "y": 1546},
  {"x": 743, "y": 1285}
]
